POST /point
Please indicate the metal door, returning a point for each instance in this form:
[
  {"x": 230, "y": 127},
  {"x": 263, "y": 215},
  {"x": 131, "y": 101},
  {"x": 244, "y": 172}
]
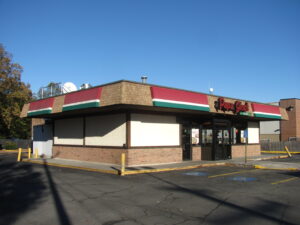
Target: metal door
[
  {"x": 43, "y": 139},
  {"x": 186, "y": 143}
]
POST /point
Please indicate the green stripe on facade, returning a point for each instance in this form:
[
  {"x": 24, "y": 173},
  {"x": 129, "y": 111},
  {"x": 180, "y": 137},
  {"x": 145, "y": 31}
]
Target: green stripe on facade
[
  {"x": 181, "y": 106},
  {"x": 46, "y": 111},
  {"x": 81, "y": 106},
  {"x": 245, "y": 114},
  {"x": 266, "y": 116}
]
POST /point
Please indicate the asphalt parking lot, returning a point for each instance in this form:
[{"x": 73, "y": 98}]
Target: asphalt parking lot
[{"x": 39, "y": 194}]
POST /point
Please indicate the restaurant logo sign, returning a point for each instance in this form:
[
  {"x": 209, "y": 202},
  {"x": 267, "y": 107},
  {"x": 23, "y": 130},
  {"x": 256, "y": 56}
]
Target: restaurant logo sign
[{"x": 236, "y": 107}]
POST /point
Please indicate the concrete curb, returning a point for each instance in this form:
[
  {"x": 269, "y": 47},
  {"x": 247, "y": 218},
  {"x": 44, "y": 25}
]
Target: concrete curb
[
  {"x": 116, "y": 172},
  {"x": 267, "y": 158},
  {"x": 132, "y": 172},
  {"x": 269, "y": 168},
  {"x": 278, "y": 152},
  {"x": 173, "y": 169},
  {"x": 200, "y": 166}
]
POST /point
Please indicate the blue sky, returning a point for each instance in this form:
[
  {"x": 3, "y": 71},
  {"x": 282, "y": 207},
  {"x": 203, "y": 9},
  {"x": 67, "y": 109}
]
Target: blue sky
[{"x": 247, "y": 49}]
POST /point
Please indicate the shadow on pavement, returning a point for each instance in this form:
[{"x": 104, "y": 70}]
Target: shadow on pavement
[
  {"x": 292, "y": 173},
  {"x": 240, "y": 214},
  {"x": 21, "y": 189},
  {"x": 60, "y": 209}
]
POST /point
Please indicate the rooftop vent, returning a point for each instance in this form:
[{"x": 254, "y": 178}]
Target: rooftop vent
[
  {"x": 144, "y": 79},
  {"x": 85, "y": 86}
]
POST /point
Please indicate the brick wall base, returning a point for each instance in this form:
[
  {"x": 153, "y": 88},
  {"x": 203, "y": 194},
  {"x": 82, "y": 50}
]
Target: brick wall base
[
  {"x": 196, "y": 153},
  {"x": 238, "y": 151},
  {"x": 91, "y": 154},
  {"x": 144, "y": 156},
  {"x": 140, "y": 156}
]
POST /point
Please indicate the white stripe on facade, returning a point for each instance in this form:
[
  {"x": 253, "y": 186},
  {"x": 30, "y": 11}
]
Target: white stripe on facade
[
  {"x": 83, "y": 102},
  {"x": 271, "y": 114},
  {"x": 179, "y": 102},
  {"x": 49, "y": 108}
]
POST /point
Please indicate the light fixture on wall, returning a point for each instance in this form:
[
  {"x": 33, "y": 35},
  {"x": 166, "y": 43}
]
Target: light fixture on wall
[{"x": 290, "y": 108}]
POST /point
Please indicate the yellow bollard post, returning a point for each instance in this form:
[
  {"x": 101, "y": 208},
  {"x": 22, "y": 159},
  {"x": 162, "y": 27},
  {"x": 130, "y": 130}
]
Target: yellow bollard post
[
  {"x": 122, "y": 164},
  {"x": 19, "y": 155},
  {"x": 29, "y": 153},
  {"x": 287, "y": 150},
  {"x": 36, "y": 153}
]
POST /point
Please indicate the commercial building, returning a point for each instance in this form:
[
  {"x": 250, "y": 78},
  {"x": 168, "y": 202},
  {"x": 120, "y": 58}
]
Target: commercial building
[
  {"x": 151, "y": 124},
  {"x": 290, "y": 129}
]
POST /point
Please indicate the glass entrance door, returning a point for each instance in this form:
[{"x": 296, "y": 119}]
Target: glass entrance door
[{"x": 222, "y": 134}]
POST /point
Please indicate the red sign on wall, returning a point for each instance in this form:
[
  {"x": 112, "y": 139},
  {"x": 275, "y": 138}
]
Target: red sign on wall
[{"x": 235, "y": 107}]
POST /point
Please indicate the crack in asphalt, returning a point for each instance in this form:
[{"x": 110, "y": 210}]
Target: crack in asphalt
[
  {"x": 87, "y": 197},
  {"x": 80, "y": 202},
  {"x": 214, "y": 209},
  {"x": 169, "y": 213}
]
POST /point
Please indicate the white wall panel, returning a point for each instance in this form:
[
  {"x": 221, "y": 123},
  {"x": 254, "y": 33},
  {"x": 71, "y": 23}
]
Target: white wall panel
[
  {"x": 69, "y": 131},
  {"x": 108, "y": 130},
  {"x": 253, "y": 132},
  {"x": 270, "y": 127},
  {"x": 154, "y": 130}
]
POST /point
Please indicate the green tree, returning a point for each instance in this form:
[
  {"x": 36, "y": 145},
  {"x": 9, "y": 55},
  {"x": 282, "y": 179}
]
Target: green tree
[{"x": 13, "y": 95}]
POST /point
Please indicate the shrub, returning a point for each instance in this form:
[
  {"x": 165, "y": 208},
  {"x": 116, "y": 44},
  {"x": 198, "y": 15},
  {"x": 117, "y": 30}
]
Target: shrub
[{"x": 9, "y": 145}]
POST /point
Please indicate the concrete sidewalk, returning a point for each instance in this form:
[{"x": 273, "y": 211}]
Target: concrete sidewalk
[
  {"x": 277, "y": 165},
  {"x": 257, "y": 162},
  {"x": 75, "y": 164}
]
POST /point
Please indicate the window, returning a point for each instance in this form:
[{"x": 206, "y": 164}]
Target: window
[{"x": 207, "y": 136}]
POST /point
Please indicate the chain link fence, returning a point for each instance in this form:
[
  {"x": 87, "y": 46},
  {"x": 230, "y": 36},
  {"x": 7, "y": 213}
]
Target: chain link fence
[
  {"x": 19, "y": 143},
  {"x": 279, "y": 146}
]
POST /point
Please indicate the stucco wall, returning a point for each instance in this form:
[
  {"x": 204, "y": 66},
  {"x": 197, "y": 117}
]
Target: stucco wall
[
  {"x": 68, "y": 131},
  {"x": 109, "y": 130},
  {"x": 270, "y": 127},
  {"x": 154, "y": 130}
]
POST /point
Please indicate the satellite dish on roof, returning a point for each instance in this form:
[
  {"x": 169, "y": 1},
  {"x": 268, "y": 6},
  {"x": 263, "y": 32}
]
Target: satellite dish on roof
[{"x": 68, "y": 87}]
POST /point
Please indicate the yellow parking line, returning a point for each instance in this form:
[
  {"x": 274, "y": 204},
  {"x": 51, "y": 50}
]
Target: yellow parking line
[
  {"x": 286, "y": 180},
  {"x": 227, "y": 174}
]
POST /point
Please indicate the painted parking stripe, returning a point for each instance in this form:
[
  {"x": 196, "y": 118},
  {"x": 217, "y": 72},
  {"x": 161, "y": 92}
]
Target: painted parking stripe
[
  {"x": 285, "y": 180},
  {"x": 227, "y": 174}
]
